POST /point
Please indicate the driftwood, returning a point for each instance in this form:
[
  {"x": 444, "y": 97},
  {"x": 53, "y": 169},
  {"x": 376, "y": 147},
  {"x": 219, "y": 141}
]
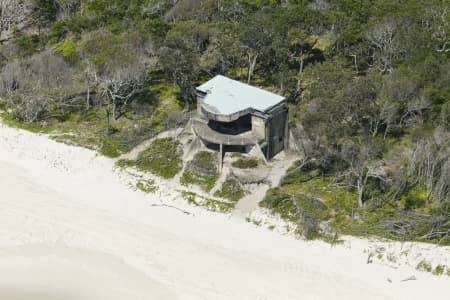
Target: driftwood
[
  {"x": 171, "y": 206},
  {"x": 412, "y": 277},
  {"x": 369, "y": 258}
]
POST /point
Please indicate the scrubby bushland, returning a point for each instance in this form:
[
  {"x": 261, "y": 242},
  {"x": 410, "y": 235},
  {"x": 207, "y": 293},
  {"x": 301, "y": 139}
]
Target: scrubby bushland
[
  {"x": 367, "y": 84},
  {"x": 406, "y": 218},
  {"x": 303, "y": 209}
]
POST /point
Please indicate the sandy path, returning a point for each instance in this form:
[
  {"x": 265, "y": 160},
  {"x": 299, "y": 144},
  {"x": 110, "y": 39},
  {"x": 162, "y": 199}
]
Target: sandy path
[{"x": 69, "y": 223}]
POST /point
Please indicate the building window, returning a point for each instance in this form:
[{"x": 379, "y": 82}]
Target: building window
[{"x": 241, "y": 125}]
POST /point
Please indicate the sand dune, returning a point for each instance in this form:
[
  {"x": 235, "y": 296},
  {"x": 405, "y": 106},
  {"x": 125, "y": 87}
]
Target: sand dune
[
  {"x": 72, "y": 229},
  {"x": 58, "y": 272}
]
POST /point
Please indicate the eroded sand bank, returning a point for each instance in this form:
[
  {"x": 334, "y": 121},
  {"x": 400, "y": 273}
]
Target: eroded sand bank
[{"x": 70, "y": 226}]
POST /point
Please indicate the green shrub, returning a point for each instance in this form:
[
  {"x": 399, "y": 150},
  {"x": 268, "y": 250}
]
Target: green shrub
[
  {"x": 439, "y": 270},
  {"x": 217, "y": 206},
  {"x": 110, "y": 148},
  {"x": 123, "y": 163},
  {"x": 231, "y": 189},
  {"x": 201, "y": 170},
  {"x": 189, "y": 197},
  {"x": 206, "y": 182},
  {"x": 245, "y": 163},
  {"x": 278, "y": 202},
  {"x": 27, "y": 45},
  {"x": 424, "y": 266},
  {"x": 204, "y": 162},
  {"x": 414, "y": 198},
  {"x": 68, "y": 49},
  {"x": 147, "y": 186}
]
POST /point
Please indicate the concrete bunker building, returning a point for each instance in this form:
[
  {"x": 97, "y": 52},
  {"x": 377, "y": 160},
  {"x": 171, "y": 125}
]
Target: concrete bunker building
[{"x": 233, "y": 116}]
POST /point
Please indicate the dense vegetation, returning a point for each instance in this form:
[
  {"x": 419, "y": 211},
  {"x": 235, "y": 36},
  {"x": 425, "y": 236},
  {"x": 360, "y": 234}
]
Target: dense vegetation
[{"x": 367, "y": 81}]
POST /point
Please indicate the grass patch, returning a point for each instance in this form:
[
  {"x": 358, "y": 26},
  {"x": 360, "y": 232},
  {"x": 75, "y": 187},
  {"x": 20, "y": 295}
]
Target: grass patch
[
  {"x": 147, "y": 186},
  {"x": 201, "y": 171},
  {"x": 206, "y": 182},
  {"x": 32, "y": 127},
  {"x": 205, "y": 162},
  {"x": 162, "y": 158},
  {"x": 231, "y": 189},
  {"x": 110, "y": 148},
  {"x": 87, "y": 129},
  {"x": 208, "y": 203},
  {"x": 124, "y": 163},
  {"x": 245, "y": 163},
  {"x": 438, "y": 270},
  {"x": 167, "y": 95},
  {"x": 391, "y": 257}
]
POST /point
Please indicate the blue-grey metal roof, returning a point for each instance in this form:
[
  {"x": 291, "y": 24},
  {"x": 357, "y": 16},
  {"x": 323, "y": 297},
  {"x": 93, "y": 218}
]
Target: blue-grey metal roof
[{"x": 225, "y": 96}]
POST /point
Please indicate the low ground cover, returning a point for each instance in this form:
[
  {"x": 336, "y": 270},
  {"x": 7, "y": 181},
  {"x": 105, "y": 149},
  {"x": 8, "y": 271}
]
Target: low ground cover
[
  {"x": 163, "y": 158},
  {"x": 231, "y": 189},
  {"x": 201, "y": 171}
]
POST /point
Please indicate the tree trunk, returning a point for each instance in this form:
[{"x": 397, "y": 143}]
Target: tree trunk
[
  {"x": 354, "y": 61},
  {"x": 107, "y": 110},
  {"x": 361, "y": 184},
  {"x": 88, "y": 96},
  {"x": 386, "y": 130},
  {"x": 360, "y": 193},
  {"x": 186, "y": 104},
  {"x": 374, "y": 128},
  {"x": 114, "y": 108},
  {"x": 300, "y": 73},
  {"x": 251, "y": 66},
  {"x": 185, "y": 93}
]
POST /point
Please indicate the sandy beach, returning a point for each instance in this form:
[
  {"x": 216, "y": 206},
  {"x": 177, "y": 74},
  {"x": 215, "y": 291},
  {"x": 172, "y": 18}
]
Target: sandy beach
[{"x": 72, "y": 229}]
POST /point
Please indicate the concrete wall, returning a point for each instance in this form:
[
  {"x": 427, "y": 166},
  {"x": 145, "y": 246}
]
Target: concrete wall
[
  {"x": 258, "y": 127},
  {"x": 276, "y": 131}
]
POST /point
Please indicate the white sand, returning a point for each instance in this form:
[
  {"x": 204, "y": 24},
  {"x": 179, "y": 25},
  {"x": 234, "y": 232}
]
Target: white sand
[{"x": 71, "y": 229}]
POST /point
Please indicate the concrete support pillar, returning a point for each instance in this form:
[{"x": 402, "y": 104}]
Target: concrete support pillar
[
  {"x": 260, "y": 153},
  {"x": 286, "y": 132},
  {"x": 268, "y": 139},
  {"x": 220, "y": 158}
]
